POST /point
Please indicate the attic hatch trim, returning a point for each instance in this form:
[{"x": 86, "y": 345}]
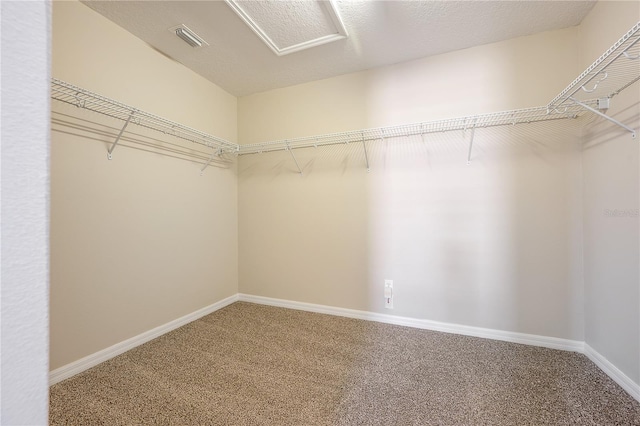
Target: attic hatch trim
[{"x": 331, "y": 8}]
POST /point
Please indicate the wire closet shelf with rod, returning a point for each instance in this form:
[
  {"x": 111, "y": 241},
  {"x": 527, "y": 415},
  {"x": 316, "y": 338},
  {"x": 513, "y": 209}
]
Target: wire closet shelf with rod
[{"x": 614, "y": 71}]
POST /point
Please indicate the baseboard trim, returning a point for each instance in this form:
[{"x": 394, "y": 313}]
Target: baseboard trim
[
  {"x": 604, "y": 364},
  {"x": 612, "y": 371},
  {"x": 71, "y": 369},
  {"x": 487, "y": 333}
]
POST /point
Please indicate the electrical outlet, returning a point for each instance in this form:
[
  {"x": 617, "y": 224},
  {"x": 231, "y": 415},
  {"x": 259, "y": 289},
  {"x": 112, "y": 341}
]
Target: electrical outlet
[{"x": 388, "y": 294}]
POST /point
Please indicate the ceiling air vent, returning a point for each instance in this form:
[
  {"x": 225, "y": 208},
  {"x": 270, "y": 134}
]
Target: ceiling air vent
[{"x": 191, "y": 38}]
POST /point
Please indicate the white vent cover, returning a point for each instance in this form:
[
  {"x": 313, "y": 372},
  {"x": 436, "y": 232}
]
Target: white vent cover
[{"x": 190, "y": 37}]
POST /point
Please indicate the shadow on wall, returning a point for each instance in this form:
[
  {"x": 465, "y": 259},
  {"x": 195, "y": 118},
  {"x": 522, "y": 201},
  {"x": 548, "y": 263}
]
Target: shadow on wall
[
  {"x": 492, "y": 244},
  {"x": 611, "y": 167},
  {"x": 304, "y": 237},
  {"x": 599, "y": 131},
  {"x": 544, "y": 187},
  {"x": 143, "y": 232}
]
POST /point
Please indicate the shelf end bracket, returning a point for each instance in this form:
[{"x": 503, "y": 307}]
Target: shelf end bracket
[
  {"x": 294, "y": 158},
  {"x": 473, "y": 132},
  {"x": 115, "y": 143},
  {"x": 213, "y": 154},
  {"x": 366, "y": 156},
  {"x": 605, "y": 116}
]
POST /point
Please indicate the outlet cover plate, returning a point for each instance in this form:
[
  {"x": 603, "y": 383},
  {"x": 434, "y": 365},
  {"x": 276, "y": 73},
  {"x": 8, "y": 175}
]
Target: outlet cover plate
[{"x": 388, "y": 301}]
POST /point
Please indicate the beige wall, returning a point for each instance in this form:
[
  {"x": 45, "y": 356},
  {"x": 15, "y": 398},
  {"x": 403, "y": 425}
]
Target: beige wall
[
  {"x": 142, "y": 239},
  {"x": 518, "y": 73},
  {"x": 611, "y": 175},
  {"x": 495, "y": 244}
]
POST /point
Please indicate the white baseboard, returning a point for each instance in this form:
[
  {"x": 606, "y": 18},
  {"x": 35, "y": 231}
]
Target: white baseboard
[
  {"x": 69, "y": 370},
  {"x": 605, "y": 365},
  {"x": 487, "y": 333},
  {"x": 612, "y": 371},
  {"x": 528, "y": 339}
]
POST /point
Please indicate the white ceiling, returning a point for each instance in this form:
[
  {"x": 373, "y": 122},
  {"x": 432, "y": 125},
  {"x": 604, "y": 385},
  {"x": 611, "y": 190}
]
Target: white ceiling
[{"x": 380, "y": 33}]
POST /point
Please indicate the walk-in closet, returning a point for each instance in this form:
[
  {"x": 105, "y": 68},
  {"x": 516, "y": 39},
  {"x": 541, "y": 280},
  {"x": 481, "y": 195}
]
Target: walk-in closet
[{"x": 326, "y": 213}]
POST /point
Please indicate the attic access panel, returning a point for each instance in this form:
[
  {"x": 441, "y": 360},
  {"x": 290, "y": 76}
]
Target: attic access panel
[{"x": 291, "y": 26}]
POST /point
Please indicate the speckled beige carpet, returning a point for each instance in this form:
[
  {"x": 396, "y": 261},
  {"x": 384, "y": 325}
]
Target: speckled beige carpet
[{"x": 256, "y": 365}]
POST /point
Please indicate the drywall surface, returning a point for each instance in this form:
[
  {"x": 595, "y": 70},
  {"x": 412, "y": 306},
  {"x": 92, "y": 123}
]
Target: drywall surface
[
  {"x": 611, "y": 222},
  {"x": 519, "y": 73},
  {"x": 495, "y": 244},
  {"x": 25, "y": 215},
  {"x": 142, "y": 239}
]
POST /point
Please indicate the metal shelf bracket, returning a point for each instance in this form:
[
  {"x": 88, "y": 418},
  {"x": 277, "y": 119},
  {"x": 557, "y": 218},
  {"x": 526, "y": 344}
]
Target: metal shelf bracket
[
  {"x": 115, "y": 143},
  {"x": 294, "y": 158},
  {"x": 473, "y": 132},
  {"x": 605, "y": 116},
  {"x": 213, "y": 154},
  {"x": 366, "y": 156}
]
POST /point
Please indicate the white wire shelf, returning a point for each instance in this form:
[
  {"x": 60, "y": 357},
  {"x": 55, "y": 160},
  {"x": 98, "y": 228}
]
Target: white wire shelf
[
  {"x": 82, "y": 98},
  {"x": 615, "y": 70},
  {"x": 505, "y": 118}
]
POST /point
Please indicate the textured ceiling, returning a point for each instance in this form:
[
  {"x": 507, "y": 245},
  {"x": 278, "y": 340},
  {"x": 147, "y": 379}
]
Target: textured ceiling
[{"x": 380, "y": 33}]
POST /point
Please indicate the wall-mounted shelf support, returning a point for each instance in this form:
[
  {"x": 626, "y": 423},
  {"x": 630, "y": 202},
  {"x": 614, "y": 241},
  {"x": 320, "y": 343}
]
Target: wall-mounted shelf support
[
  {"x": 473, "y": 132},
  {"x": 294, "y": 158},
  {"x": 605, "y": 116},
  {"x": 115, "y": 143},
  {"x": 213, "y": 154},
  {"x": 366, "y": 156}
]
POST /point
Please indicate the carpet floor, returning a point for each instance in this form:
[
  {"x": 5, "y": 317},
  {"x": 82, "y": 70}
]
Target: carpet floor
[{"x": 249, "y": 364}]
